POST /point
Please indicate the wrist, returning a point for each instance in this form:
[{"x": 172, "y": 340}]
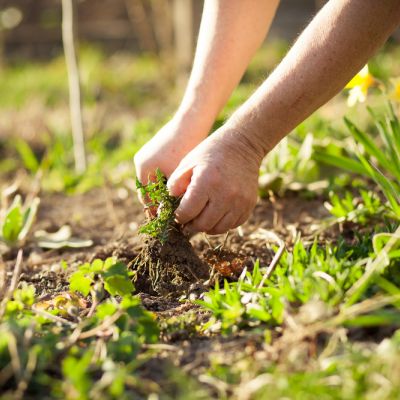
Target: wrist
[
  {"x": 196, "y": 116},
  {"x": 249, "y": 137}
]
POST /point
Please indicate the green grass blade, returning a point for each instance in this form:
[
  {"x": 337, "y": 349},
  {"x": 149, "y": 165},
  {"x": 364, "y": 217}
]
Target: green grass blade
[
  {"x": 341, "y": 162},
  {"x": 390, "y": 141},
  {"x": 27, "y": 155},
  {"x": 384, "y": 183},
  {"x": 370, "y": 147}
]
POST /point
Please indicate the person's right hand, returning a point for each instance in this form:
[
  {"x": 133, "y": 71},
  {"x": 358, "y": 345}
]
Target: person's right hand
[{"x": 166, "y": 149}]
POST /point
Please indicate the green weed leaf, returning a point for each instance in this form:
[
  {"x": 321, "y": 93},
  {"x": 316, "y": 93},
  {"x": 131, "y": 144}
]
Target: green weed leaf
[
  {"x": 13, "y": 224},
  {"x": 117, "y": 280},
  {"x": 79, "y": 281}
]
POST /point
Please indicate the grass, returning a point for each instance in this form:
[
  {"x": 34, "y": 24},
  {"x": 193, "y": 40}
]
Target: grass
[{"x": 324, "y": 325}]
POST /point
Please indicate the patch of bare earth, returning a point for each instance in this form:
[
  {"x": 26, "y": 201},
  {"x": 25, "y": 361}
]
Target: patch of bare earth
[{"x": 111, "y": 218}]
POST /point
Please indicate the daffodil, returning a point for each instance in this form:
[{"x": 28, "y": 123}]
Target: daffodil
[
  {"x": 359, "y": 86},
  {"x": 395, "y": 93}
]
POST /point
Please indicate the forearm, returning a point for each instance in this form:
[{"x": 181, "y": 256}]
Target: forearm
[
  {"x": 230, "y": 33},
  {"x": 332, "y": 49}
]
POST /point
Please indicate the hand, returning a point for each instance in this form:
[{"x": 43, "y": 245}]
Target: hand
[
  {"x": 219, "y": 183},
  {"x": 166, "y": 149}
]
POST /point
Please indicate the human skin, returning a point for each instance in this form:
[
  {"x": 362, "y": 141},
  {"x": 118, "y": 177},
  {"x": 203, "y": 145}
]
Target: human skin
[
  {"x": 218, "y": 178},
  {"x": 230, "y": 33}
]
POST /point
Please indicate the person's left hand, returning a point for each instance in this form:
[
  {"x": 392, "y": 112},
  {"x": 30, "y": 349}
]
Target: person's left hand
[{"x": 219, "y": 182}]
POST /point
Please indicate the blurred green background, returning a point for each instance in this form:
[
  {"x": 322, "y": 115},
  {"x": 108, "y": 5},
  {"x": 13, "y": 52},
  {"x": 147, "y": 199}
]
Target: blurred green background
[{"x": 133, "y": 63}]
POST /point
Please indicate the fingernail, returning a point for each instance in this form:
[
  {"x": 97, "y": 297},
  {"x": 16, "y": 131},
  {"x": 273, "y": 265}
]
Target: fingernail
[{"x": 169, "y": 184}]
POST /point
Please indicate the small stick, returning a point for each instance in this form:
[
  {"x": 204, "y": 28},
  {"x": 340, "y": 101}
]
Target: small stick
[
  {"x": 225, "y": 240},
  {"x": 107, "y": 323},
  {"x": 2, "y": 277},
  {"x": 27, "y": 375},
  {"x": 207, "y": 240},
  {"x": 159, "y": 346},
  {"x": 17, "y": 272},
  {"x": 30, "y": 365},
  {"x": 74, "y": 84},
  {"x": 5, "y": 374},
  {"x": 54, "y": 318},
  {"x": 13, "y": 283},
  {"x": 15, "y": 360},
  {"x": 190, "y": 270},
  {"x": 271, "y": 268},
  {"x": 93, "y": 307},
  {"x": 274, "y": 262}
]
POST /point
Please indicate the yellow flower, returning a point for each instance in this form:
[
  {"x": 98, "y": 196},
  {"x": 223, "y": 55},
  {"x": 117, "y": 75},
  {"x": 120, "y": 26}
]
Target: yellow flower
[
  {"x": 359, "y": 86},
  {"x": 395, "y": 93}
]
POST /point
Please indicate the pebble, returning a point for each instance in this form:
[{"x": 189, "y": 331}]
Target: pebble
[{"x": 55, "y": 268}]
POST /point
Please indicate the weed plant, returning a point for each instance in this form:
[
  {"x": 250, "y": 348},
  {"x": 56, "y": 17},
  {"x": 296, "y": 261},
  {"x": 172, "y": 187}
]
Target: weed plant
[
  {"x": 157, "y": 197},
  {"x": 63, "y": 354},
  {"x": 16, "y": 223},
  {"x": 377, "y": 159}
]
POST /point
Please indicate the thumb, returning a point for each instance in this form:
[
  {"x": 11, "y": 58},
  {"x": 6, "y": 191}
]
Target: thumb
[{"x": 179, "y": 181}]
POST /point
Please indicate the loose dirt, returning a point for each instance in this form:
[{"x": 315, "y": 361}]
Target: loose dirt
[
  {"x": 164, "y": 275},
  {"x": 168, "y": 269},
  {"x": 110, "y": 218}
]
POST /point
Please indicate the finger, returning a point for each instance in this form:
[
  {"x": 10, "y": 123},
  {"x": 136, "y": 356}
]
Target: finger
[
  {"x": 179, "y": 181},
  {"x": 207, "y": 219},
  {"x": 241, "y": 220},
  {"x": 144, "y": 173},
  {"x": 192, "y": 204},
  {"x": 227, "y": 222}
]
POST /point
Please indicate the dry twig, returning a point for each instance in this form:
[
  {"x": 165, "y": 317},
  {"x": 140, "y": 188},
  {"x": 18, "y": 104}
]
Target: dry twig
[
  {"x": 13, "y": 284},
  {"x": 74, "y": 84}
]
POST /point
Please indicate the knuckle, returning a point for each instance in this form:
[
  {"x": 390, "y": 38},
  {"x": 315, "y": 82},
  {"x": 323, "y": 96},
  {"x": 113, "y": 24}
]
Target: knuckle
[
  {"x": 213, "y": 178},
  {"x": 138, "y": 158},
  {"x": 194, "y": 193}
]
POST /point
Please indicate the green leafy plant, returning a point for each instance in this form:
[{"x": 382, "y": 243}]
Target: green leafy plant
[
  {"x": 379, "y": 159},
  {"x": 158, "y": 198},
  {"x": 320, "y": 273},
  {"x": 17, "y": 221},
  {"x": 347, "y": 371},
  {"x": 356, "y": 209},
  {"x": 60, "y": 354},
  {"x": 240, "y": 303},
  {"x": 112, "y": 275},
  {"x": 289, "y": 166}
]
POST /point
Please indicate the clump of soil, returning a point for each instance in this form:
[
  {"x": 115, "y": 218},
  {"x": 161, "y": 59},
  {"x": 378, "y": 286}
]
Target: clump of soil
[
  {"x": 227, "y": 263},
  {"x": 168, "y": 269}
]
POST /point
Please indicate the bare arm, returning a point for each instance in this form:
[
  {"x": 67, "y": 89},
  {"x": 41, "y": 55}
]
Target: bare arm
[
  {"x": 219, "y": 177},
  {"x": 332, "y": 49},
  {"x": 230, "y": 33}
]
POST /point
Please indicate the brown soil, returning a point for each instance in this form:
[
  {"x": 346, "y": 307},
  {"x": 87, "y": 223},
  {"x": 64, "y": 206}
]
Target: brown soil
[
  {"x": 111, "y": 217},
  {"x": 164, "y": 274},
  {"x": 168, "y": 269}
]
